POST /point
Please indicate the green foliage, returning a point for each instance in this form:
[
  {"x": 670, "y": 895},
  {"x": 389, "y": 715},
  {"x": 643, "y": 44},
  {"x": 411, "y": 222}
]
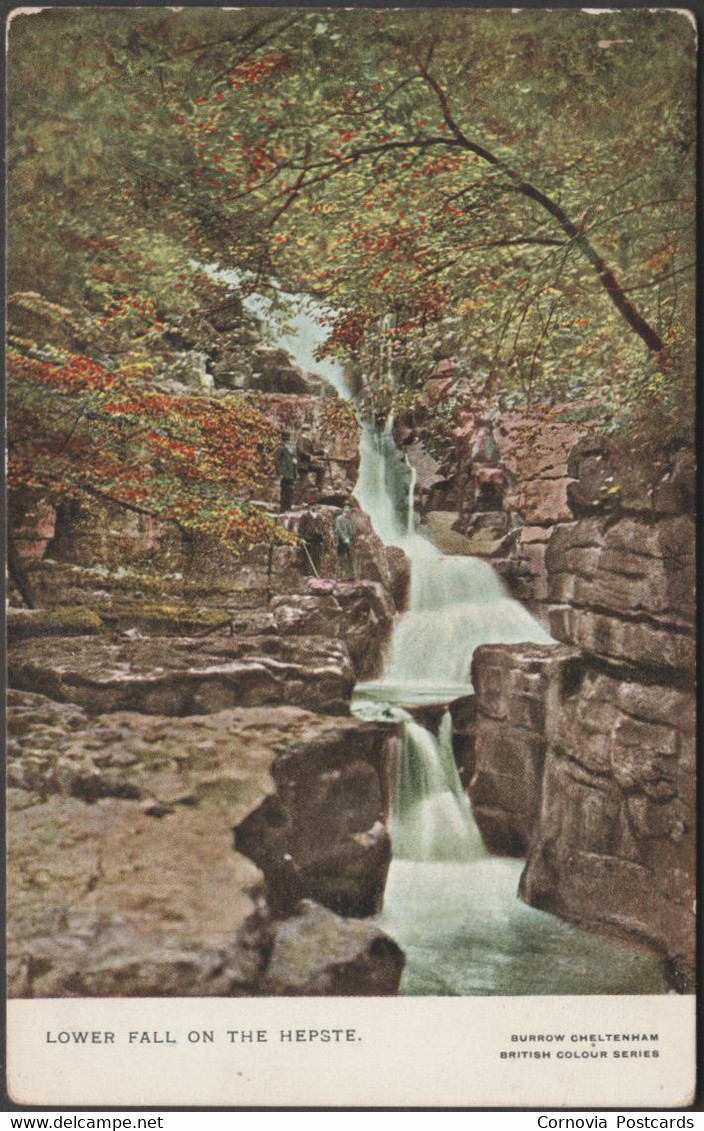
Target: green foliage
[{"x": 516, "y": 185}]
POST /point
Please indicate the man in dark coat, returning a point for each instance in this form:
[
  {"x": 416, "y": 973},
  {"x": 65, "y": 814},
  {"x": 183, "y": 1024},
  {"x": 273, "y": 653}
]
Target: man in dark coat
[
  {"x": 345, "y": 531},
  {"x": 311, "y": 529},
  {"x": 286, "y": 470}
]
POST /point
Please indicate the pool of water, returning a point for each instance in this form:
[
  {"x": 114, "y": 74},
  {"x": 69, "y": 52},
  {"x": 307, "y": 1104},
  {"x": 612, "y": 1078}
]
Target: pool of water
[{"x": 465, "y": 932}]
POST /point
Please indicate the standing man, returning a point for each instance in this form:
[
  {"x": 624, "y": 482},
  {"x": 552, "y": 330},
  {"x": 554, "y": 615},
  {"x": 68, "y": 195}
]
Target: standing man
[
  {"x": 345, "y": 531},
  {"x": 286, "y": 470},
  {"x": 311, "y": 529}
]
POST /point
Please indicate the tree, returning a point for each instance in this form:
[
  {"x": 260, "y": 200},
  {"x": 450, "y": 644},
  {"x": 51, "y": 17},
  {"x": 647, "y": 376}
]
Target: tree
[
  {"x": 519, "y": 184},
  {"x": 79, "y": 428}
]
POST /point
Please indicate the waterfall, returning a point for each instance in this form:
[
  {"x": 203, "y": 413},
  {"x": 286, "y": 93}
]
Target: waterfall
[
  {"x": 456, "y": 603},
  {"x": 432, "y": 817},
  {"x": 451, "y": 906}
]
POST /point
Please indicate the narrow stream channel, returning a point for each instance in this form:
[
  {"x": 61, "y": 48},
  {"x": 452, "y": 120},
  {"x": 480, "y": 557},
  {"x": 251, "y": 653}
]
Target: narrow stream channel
[{"x": 452, "y": 907}]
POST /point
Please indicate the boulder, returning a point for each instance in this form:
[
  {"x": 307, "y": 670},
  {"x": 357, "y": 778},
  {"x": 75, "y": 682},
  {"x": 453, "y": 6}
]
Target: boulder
[
  {"x": 190, "y": 369},
  {"x": 311, "y": 952},
  {"x": 323, "y": 835}
]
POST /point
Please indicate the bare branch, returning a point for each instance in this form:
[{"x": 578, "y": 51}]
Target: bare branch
[{"x": 525, "y": 188}]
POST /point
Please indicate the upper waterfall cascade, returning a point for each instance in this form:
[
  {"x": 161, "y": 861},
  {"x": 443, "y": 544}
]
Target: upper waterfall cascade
[{"x": 456, "y": 603}]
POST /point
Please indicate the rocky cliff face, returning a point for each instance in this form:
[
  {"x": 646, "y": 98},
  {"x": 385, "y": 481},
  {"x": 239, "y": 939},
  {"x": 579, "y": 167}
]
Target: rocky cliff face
[
  {"x": 500, "y": 500},
  {"x": 585, "y": 755},
  {"x": 518, "y": 688},
  {"x": 167, "y": 691}
]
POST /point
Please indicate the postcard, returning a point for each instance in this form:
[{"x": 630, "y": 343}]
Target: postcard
[{"x": 351, "y": 615}]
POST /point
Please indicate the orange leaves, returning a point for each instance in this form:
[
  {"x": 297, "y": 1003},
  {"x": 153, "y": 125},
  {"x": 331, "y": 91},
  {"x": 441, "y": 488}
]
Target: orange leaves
[
  {"x": 78, "y": 373},
  {"x": 348, "y": 332},
  {"x": 191, "y": 460},
  {"x": 253, "y": 71},
  {"x": 340, "y": 418}
]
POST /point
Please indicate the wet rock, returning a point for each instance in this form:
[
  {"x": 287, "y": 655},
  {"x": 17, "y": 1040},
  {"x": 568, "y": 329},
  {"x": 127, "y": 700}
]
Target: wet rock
[
  {"x": 388, "y": 566},
  {"x": 609, "y": 479},
  {"x": 592, "y": 774},
  {"x": 323, "y": 834}
]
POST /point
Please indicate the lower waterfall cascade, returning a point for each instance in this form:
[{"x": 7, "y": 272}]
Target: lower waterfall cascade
[{"x": 452, "y": 907}]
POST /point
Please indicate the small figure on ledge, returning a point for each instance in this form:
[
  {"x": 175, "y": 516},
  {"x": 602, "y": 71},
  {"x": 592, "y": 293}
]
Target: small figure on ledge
[
  {"x": 286, "y": 463},
  {"x": 345, "y": 531}
]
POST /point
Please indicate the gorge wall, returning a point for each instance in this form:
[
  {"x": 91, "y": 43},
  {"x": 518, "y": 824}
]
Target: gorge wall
[
  {"x": 584, "y": 755},
  {"x": 495, "y": 489}
]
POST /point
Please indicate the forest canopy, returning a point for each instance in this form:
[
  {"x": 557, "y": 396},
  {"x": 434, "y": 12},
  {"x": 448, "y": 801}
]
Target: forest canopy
[{"x": 513, "y": 188}]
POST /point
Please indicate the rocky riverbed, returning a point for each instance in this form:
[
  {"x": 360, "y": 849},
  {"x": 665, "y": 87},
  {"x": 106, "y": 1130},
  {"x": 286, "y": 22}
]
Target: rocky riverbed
[{"x": 192, "y": 810}]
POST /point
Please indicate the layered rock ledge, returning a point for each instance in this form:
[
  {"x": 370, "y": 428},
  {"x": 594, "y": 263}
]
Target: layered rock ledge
[{"x": 122, "y": 875}]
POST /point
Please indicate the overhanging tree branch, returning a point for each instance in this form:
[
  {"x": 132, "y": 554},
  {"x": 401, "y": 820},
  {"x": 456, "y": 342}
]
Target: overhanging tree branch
[{"x": 604, "y": 273}]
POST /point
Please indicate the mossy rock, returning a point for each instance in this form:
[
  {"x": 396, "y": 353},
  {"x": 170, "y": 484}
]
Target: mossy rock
[
  {"x": 28, "y": 624},
  {"x": 166, "y": 619},
  {"x": 580, "y": 414}
]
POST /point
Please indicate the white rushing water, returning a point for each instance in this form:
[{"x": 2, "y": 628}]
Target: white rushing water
[
  {"x": 451, "y": 906},
  {"x": 456, "y": 603},
  {"x": 432, "y": 817}
]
